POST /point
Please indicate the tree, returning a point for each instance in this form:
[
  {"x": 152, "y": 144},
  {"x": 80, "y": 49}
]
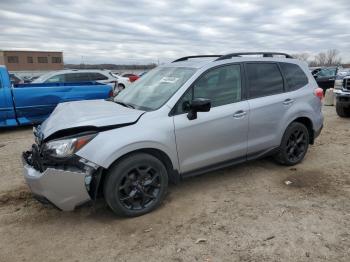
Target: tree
[
  {"x": 328, "y": 58},
  {"x": 302, "y": 56}
]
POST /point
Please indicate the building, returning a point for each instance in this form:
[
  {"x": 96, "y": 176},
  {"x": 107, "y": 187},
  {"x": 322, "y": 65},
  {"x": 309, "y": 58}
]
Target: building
[{"x": 29, "y": 61}]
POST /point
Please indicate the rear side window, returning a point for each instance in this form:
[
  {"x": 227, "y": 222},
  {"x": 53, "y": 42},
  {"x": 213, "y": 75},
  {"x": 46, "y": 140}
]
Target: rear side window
[
  {"x": 294, "y": 75},
  {"x": 78, "y": 77},
  {"x": 56, "y": 79},
  {"x": 264, "y": 79},
  {"x": 98, "y": 76}
]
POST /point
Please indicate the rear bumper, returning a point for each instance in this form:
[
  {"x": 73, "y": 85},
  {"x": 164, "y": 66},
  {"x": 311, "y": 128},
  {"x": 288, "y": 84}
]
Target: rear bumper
[
  {"x": 317, "y": 132},
  {"x": 63, "y": 188}
]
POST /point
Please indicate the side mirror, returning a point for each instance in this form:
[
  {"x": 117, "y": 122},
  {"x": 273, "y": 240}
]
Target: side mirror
[{"x": 198, "y": 105}]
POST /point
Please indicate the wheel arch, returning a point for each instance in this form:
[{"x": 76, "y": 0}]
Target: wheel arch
[
  {"x": 173, "y": 173},
  {"x": 306, "y": 121}
]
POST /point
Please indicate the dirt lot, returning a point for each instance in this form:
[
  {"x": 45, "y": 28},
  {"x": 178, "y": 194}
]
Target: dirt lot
[{"x": 244, "y": 213}]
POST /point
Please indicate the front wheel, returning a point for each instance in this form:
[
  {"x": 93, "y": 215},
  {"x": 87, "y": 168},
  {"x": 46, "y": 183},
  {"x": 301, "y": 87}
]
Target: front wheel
[
  {"x": 136, "y": 185},
  {"x": 294, "y": 145}
]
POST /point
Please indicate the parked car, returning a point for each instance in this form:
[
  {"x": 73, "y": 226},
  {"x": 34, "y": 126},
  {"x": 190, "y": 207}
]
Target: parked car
[
  {"x": 314, "y": 70},
  {"x": 181, "y": 119},
  {"x": 143, "y": 73},
  {"x": 343, "y": 98},
  {"x": 338, "y": 83},
  {"x": 15, "y": 79},
  {"x": 123, "y": 82},
  {"x": 325, "y": 77},
  {"x": 25, "y": 104},
  {"x": 132, "y": 77},
  {"x": 79, "y": 75}
]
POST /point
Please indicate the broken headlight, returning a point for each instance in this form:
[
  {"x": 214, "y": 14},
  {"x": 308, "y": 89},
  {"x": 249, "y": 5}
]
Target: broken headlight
[{"x": 67, "y": 147}]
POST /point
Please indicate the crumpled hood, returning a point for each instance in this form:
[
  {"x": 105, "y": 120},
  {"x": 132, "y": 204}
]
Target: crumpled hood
[{"x": 91, "y": 113}]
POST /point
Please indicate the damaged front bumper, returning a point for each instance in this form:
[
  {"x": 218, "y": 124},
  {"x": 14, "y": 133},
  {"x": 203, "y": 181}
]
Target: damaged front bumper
[{"x": 64, "y": 187}]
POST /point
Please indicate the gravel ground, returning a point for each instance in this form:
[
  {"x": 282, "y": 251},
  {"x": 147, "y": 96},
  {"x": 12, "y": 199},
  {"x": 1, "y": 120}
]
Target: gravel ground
[{"x": 243, "y": 213}]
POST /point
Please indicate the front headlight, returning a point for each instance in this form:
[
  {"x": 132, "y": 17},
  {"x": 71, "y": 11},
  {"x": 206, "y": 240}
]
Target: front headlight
[{"x": 67, "y": 147}]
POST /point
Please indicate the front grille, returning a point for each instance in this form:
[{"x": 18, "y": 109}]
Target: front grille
[
  {"x": 34, "y": 158},
  {"x": 346, "y": 83}
]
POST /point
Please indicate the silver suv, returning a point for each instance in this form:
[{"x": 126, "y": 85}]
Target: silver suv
[{"x": 188, "y": 117}]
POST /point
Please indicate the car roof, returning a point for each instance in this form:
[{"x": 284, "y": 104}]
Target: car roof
[{"x": 200, "y": 63}]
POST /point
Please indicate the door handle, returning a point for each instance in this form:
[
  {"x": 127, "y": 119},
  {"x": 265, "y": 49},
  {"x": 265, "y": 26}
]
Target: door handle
[
  {"x": 239, "y": 114},
  {"x": 288, "y": 101}
]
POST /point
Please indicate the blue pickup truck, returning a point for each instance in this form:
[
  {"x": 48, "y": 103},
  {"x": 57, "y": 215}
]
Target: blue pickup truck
[{"x": 26, "y": 104}]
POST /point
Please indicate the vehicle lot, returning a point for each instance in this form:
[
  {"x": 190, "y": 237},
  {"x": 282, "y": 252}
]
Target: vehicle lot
[{"x": 244, "y": 213}]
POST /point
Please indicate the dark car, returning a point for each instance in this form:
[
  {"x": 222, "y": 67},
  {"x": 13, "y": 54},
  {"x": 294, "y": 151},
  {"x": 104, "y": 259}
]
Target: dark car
[{"x": 325, "y": 77}]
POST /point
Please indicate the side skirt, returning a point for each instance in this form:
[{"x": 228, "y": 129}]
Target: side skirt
[{"x": 231, "y": 162}]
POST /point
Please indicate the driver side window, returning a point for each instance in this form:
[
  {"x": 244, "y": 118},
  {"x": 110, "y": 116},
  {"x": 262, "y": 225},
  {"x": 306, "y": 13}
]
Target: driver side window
[{"x": 221, "y": 85}]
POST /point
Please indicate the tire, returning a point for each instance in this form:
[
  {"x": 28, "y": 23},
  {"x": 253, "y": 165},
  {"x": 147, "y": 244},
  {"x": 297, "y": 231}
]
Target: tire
[
  {"x": 294, "y": 145},
  {"x": 342, "y": 111},
  {"x": 142, "y": 183}
]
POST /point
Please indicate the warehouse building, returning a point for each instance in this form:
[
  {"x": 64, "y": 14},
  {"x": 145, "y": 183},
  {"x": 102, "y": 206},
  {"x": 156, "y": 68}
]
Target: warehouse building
[{"x": 31, "y": 61}]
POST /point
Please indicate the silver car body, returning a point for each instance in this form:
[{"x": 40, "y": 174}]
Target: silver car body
[{"x": 231, "y": 133}]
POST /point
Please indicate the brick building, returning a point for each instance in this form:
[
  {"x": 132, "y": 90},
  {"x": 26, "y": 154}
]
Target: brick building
[{"x": 31, "y": 60}]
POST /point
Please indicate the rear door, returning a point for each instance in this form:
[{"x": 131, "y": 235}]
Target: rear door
[
  {"x": 268, "y": 105},
  {"x": 218, "y": 135}
]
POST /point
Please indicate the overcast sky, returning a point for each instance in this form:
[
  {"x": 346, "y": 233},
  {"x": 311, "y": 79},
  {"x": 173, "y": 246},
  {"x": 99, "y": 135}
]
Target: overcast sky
[{"x": 144, "y": 31}]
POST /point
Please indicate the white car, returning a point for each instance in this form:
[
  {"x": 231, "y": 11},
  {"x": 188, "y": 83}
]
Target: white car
[
  {"x": 84, "y": 75},
  {"x": 123, "y": 82},
  {"x": 338, "y": 83}
]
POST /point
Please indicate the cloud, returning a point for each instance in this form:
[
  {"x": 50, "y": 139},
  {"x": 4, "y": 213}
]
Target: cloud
[{"x": 144, "y": 31}]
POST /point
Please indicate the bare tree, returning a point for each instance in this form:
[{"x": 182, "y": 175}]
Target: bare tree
[
  {"x": 328, "y": 58},
  {"x": 332, "y": 57},
  {"x": 302, "y": 56},
  {"x": 321, "y": 59}
]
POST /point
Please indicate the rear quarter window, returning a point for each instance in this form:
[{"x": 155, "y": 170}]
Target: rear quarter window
[{"x": 294, "y": 75}]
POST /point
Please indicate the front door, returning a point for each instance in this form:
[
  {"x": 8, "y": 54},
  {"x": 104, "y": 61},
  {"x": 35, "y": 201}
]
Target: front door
[
  {"x": 325, "y": 78},
  {"x": 218, "y": 135}
]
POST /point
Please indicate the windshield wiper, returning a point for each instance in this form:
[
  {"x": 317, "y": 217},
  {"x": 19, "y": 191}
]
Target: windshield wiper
[{"x": 125, "y": 104}]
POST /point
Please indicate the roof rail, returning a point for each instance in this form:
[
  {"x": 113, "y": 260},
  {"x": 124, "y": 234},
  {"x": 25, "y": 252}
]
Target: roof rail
[
  {"x": 193, "y": 56},
  {"x": 264, "y": 54}
]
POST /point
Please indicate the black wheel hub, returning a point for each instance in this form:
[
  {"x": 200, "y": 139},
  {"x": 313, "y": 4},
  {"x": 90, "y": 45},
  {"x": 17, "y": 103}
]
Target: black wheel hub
[
  {"x": 296, "y": 145},
  {"x": 140, "y": 187}
]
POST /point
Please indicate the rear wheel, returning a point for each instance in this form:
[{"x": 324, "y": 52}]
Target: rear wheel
[
  {"x": 121, "y": 87},
  {"x": 136, "y": 185},
  {"x": 294, "y": 145},
  {"x": 342, "y": 111}
]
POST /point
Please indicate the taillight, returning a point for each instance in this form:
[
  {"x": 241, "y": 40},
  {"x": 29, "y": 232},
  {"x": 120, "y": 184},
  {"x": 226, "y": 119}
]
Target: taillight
[
  {"x": 110, "y": 94},
  {"x": 319, "y": 93}
]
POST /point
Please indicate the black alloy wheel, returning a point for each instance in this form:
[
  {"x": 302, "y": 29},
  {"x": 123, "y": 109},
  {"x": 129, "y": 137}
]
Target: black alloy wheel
[
  {"x": 140, "y": 187},
  {"x": 294, "y": 145},
  {"x": 136, "y": 185}
]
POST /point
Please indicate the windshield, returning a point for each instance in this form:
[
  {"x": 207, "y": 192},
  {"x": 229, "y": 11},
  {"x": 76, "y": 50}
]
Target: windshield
[{"x": 155, "y": 88}]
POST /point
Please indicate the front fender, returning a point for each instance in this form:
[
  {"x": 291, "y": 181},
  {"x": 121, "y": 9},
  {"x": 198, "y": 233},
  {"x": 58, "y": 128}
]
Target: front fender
[{"x": 110, "y": 145}]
